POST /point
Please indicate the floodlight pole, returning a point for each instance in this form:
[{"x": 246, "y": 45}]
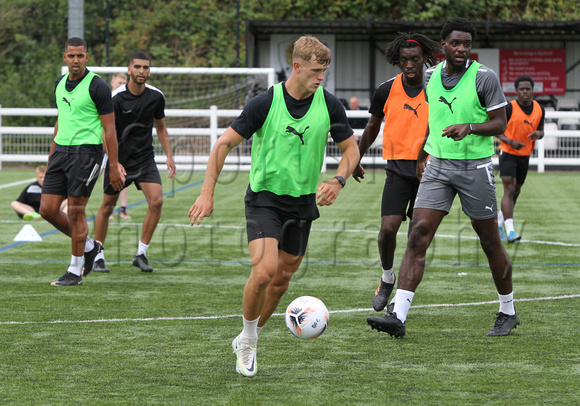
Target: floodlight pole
[
  {"x": 0, "y": 137},
  {"x": 107, "y": 18},
  {"x": 76, "y": 18},
  {"x": 237, "y": 33},
  {"x": 237, "y": 49}
]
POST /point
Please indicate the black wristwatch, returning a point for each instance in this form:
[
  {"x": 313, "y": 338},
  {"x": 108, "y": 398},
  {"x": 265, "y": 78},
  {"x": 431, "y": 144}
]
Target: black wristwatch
[{"x": 341, "y": 180}]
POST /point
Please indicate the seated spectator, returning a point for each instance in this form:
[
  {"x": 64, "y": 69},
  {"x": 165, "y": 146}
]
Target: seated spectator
[
  {"x": 356, "y": 122},
  {"x": 28, "y": 203}
]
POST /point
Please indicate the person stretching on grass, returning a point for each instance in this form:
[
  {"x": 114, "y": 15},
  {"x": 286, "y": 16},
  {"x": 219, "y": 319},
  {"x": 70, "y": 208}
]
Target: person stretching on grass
[{"x": 28, "y": 203}]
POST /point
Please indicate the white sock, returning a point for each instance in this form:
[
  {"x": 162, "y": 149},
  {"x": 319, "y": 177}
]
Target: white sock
[
  {"x": 89, "y": 244},
  {"x": 142, "y": 249},
  {"x": 506, "y": 304},
  {"x": 76, "y": 265},
  {"x": 500, "y": 219},
  {"x": 388, "y": 275},
  {"x": 100, "y": 255},
  {"x": 258, "y": 329},
  {"x": 403, "y": 300},
  {"x": 250, "y": 329},
  {"x": 509, "y": 225}
]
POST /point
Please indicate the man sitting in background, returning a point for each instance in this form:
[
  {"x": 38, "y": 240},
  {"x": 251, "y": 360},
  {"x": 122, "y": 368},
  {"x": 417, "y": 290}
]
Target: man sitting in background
[{"x": 28, "y": 203}]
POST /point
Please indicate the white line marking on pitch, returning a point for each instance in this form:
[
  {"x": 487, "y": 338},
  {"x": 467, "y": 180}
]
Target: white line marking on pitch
[
  {"x": 230, "y": 316},
  {"x": 20, "y": 182},
  {"x": 330, "y": 230}
]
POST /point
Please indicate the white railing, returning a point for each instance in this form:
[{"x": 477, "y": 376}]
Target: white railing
[{"x": 551, "y": 151}]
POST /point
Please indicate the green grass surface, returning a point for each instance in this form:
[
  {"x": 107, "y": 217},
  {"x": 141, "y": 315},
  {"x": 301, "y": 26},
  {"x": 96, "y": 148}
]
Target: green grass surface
[{"x": 163, "y": 338}]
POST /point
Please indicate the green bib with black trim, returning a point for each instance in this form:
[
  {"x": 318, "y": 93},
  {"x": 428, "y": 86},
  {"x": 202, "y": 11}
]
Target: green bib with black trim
[
  {"x": 459, "y": 105},
  {"x": 287, "y": 153},
  {"x": 78, "y": 119}
]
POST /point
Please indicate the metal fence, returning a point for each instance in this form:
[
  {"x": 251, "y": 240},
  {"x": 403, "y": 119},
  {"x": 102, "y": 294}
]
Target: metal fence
[{"x": 190, "y": 146}]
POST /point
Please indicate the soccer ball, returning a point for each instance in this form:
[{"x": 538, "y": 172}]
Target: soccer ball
[{"x": 307, "y": 317}]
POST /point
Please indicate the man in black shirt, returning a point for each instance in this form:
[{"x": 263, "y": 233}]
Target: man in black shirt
[{"x": 138, "y": 107}]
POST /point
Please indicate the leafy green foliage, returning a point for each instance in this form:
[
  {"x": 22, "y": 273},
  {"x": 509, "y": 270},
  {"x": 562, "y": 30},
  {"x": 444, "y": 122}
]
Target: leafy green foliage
[
  {"x": 33, "y": 33},
  {"x": 196, "y": 32}
]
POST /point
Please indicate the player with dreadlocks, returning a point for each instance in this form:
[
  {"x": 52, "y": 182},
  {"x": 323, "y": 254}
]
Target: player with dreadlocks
[{"x": 401, "y": 102}]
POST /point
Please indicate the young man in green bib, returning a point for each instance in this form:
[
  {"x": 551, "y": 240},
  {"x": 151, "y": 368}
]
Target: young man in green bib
[
  {"x": 290, "y": 124},
  {"x": 466, "y": 110},
  {"x": 85, "y": 109}
]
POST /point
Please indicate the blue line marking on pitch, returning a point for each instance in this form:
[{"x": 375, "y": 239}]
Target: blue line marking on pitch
[
  {"x": 218, "y": 262},
  {"x": 17, "y": 243}
]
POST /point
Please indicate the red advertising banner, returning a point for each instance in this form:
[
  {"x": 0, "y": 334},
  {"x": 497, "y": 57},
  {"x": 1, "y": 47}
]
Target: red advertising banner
[{"x": 547, "y": 67}]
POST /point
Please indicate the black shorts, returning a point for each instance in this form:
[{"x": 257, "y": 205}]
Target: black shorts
[
  {"x": 514, "y": 166},
  {"x": 399, "y": 195},
  {"x": 71, "y": 173},
  {"x": 268, "y": 222},
  {"x": 145, "y": 172}
]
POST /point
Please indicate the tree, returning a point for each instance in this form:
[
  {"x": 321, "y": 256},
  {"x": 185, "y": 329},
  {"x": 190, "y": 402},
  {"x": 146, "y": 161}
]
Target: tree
[{"x": 197, "y": 32}]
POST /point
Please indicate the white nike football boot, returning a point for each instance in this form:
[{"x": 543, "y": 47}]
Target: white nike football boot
[{"x": 245, "y": 351}]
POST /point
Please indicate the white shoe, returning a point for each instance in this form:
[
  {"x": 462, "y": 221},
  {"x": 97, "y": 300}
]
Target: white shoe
[{"x": 245, "y": 351}]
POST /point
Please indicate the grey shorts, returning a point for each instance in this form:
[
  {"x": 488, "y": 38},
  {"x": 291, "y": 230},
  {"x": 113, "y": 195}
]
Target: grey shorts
[{"x": 472, "y": 180}]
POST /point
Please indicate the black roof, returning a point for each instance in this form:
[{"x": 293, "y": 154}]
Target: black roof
[{"x": 488, "y": 31}]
